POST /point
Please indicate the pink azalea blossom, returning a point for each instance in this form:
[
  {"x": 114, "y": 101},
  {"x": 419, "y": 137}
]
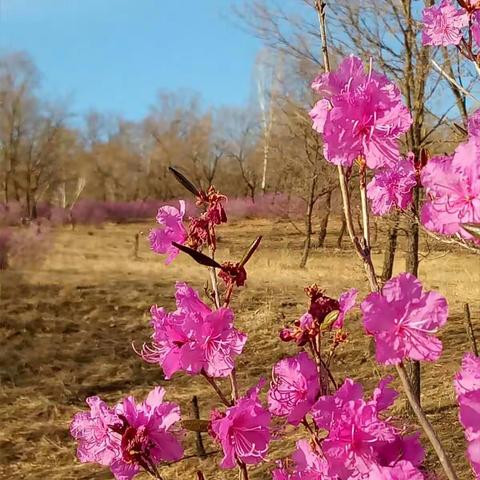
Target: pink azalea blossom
[
  {"x": 402, "y": 470},
  {"x": 443, "y": 23},
  {"x": 392, "y": 187},
  {"x": 308, "y": 465},
  {"x": 171, "y": 230},
  {"x": 473, "y": 454},
  {"x": 361, "y": 115},
  {"x": 467, "y": 388},
  {"x": 97, "y": 442},
  {"x": 470, "y": 414},
  {"x": 346, "y": 302},
  {"x": 130, "y": 437},
  {"x": 452, "y": 185},
  {"x": 243, "y": 431},
  {"x": 194, "y": 338},
  {"x": 468, "y": 378},
  {"x": 474, "y": 119},
  {"x": 475, "y": 28},
  {"x": 403, "y": 320},
  {"x": 149, "y": 434},
  {"x": 294, "y": 388},
  {"x": 358, "y": 439},
  {"x": 469, "y": 404}
]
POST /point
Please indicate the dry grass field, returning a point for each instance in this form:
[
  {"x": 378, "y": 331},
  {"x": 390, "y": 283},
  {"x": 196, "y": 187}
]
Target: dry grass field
[{"x": 66, "y": 329}]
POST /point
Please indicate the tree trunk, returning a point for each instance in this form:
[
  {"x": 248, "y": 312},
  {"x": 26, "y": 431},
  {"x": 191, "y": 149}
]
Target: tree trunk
[
  {"x": 308, "y": 223},
  {"x": 252, "y": 193},
  {"x": 390, "y": 250},
  {"x": 322, "y": 234},
  {"x": 411, "y": 266},
  {"x": 343, "y": 228}
]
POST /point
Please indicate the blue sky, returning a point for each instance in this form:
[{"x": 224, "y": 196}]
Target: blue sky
[{"x": 114, "y": 55}]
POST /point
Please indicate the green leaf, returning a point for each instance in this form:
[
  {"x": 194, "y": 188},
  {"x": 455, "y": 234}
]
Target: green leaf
[{"x": 330, "y": 319}]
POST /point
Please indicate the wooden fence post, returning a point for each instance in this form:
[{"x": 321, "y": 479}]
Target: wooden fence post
[
  {"x": 469, "y": 327},
  {"x": 198, "y": 440},
  {"x": 137, "y": 244}
]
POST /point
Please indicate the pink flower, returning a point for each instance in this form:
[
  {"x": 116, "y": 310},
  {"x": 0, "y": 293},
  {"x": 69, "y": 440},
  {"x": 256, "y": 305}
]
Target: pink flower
[
  {"x": 470, "y": 419},
  {"x": 130, "y": 437},
  {"x": 468, "y": 378},
  {"x": 294, "y": 388},
  {"x": 149, "y": 434},
  {"x": 452, "y": 185},
  {"x": 443, "y": 23},
  {"x": 243, "y": 431},
  {"x": 474, "y": 119},
  {"x": 359, "y": 440},
  {"x": 353, "y": 438},
  {"x": 475, "y": 28},
  {"x": 361, "y": 115},
  {"x": 402, "y": 470},
  {"x": 467, "y": 388},
  {"x": 346, "y": 302},
  {"x": 473, "y": 454},
  {"x": 319, "y": 114},
  {"x": 403, "y": 319},
  {"x": 470, "y": 414},
  {"x": 194, "y": 338},
  {"x": 392, "y": 187},
  {"x": 97, "y": 442},
  {"x": 309, "y": 465},
  {"x": 172, "y": 230}
]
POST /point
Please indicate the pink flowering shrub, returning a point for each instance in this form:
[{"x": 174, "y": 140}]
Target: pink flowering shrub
[
  {"x": 24, "y": 246},
  {"x": 345, "y": 434}
]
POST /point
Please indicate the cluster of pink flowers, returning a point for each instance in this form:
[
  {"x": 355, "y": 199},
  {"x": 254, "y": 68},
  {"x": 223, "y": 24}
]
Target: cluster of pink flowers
[
  {"x": 452, "y": 187},
  {"x": 130, "y": 437},
  {"x": 200, "y": 230},
  {"x": 360, "y": 443},
  {"x": 467, "y": 388},
  {"x": 361, "y": 115},
  {"x": 350, "y": 436},
  {"x": 194, "y": 338},
  {"x": 443, "y": 24},
  {"x": 403, "y": 320},
  {"x": 392, "y": 187}
]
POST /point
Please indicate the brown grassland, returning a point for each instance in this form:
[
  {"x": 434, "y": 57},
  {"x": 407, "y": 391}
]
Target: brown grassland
[{"x": 66, "y": 329}]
